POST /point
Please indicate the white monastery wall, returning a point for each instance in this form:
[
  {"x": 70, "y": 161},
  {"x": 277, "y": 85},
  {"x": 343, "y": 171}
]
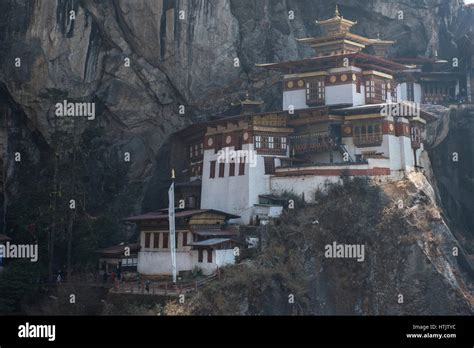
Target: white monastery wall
[
  {"x": 296, "y": 98},
  {"x": 159, "y": 262},
  {"x": 298, "y": 185},
  {"x": 230, "y": 193},
  {"x": 224, "y": 257},
  {"x": 339, "y": 94}
]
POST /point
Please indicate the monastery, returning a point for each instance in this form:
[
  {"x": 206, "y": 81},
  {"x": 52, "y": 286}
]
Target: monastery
[
  {"x": 339, "y": 117},
  {"x": 347, "y": 111}
]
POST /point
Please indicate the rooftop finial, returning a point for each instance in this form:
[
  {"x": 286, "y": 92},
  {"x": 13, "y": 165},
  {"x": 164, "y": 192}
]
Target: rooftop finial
[{"x": 336, "y": 12}]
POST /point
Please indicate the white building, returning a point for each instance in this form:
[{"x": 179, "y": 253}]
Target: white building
[
  {"x": 204, "y": 242},
  {"x": 240, "y": 155}
]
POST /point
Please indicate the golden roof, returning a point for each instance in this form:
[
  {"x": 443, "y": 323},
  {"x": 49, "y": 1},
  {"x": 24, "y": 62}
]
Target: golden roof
[
  {"x": 346, "y": 35},
  {"x": 337, "y": 19}
]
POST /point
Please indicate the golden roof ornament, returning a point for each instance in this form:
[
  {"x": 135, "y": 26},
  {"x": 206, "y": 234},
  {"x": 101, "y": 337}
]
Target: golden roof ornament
[
  {"x": 337, "y": 20},
  {"x": 247, "y": 101}
]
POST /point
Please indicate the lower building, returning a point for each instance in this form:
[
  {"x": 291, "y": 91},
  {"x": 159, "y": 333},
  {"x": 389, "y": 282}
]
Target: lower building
[
  {"x": 118, "y": 259},
  {"x": 204, "y": 242}
]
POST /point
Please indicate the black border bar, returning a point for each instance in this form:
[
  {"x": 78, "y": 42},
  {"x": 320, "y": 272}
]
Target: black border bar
[{"x": 139, "y": 330}]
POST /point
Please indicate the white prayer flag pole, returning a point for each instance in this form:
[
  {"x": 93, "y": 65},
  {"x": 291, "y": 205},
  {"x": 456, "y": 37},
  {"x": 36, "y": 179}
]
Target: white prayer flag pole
[{"x": 171, "y": 217}]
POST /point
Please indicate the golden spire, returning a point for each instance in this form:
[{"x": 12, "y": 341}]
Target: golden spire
[{"x": 336, "y": 12}]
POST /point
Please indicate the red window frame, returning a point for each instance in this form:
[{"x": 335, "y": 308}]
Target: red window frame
[
  {"x": 212, "y": 173},
  {"x": 165, "y": 241},
  {"x": 221, "y": 170}
]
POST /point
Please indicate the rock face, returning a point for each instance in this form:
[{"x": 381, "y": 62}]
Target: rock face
[
  {"x": 407, "y": 268},
  {"x": 180, "y": 53},
  {"x": 140, "y": 61},
  {"x": 451, "y": 154}
]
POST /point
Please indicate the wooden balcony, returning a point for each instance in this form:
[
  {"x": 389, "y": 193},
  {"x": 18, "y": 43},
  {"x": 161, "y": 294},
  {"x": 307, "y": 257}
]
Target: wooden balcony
[
  {"x": 315, "y": 101},
  {"x": 368, "y": 140},
  {"x": 275, "y": 152},
  {"x": 313, "y": 142},
  {"x": 313, "y": 147}
]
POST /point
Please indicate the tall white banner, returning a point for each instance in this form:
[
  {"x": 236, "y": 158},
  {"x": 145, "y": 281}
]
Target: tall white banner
[{"x": 171, "y": 217}]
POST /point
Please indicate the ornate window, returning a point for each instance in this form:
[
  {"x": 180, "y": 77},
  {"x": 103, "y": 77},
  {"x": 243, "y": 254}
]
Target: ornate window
[
  {"x": 369, "y": 89},
  {"x": 415, "y": 137},
  {"x": 165, "y": 241},
  {"x": 376, "y": 89},
  {"x": 221, "y": 170},
  {"x": 156, "y": 240},
  {"x": 368, "y": 134},
  {"x": 272, "y": 145},
  {"x": 212, "y": 173},
  {"x": 258, "y": 141},
  {"x": 242, "y": 166},
  {"x": 270, "y": 142},
  {"x": 147, "y": 240},
  {"x": 315, "y": 91}
]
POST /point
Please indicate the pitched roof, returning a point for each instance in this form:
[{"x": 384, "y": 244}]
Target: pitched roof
[
  {"x": 360, "y": 109},
  {"x": 214, "y": 232},
  {"x": 163, "y": 214},
  {"x": 210, "y": 242},
  {"x": 360, "y": 57},
  {"x": 119, "y": 249}
]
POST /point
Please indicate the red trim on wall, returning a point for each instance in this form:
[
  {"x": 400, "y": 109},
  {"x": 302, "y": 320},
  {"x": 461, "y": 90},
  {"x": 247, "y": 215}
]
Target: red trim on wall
[
  {"x": 337, "y": 172},
  {"x": 223, "y": 136},
  {"x": 402, "y": 129},
  {"x": 386, "y": 127}
]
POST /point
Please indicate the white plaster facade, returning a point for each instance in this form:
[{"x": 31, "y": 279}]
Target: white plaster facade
[
  {"x": 403, "y": 94},
  {"x": 397, "y": 148},
  {"x": 239, "y": 193},
  {"x": 159, "y": 262},
  {"x": 336, "y": 94},
  {"x": 307, "y": 185},
  {"x": 295, "y": 98}
]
